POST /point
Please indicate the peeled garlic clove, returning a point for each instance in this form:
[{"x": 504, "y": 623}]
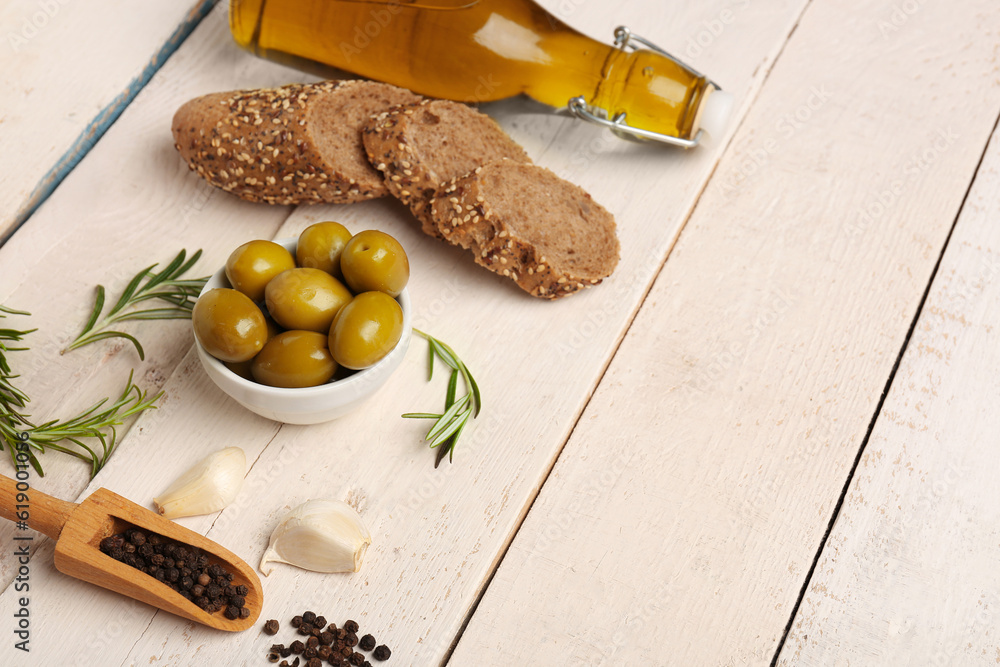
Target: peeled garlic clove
[
  {"x": 319, "y": 535},
  {"x": 207, "y": 487}
]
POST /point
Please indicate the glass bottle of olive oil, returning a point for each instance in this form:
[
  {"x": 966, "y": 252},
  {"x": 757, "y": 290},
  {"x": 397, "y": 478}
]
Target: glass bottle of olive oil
[{"x": 483, "y": 50}]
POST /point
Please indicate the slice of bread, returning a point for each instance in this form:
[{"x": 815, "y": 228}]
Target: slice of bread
[
  {"x": 524, "y": 222},
  {"x": 421, "y": 147},
  {"x": 296, "y": 144}
]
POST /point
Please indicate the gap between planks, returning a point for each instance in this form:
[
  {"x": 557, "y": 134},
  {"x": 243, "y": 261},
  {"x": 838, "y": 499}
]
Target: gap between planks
[
  {"x": 878, "y": 408},
  {"x": 498, "y": 561},
  {"x": 104, "y": 119}
]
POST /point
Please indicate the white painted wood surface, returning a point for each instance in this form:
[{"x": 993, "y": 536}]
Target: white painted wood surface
[
  {"x": 66, "y": 69},
  {"x": 683, "y": 514},
  {"x": 909, "y": 575},
  {"x": 438, "y": 534},
  {"x": 689, "y": 502},
  {"x": 130, "y": 203}
]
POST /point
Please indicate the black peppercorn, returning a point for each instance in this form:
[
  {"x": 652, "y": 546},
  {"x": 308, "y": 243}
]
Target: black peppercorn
[
  {"x": 323, "y": 652},
  {"x": 367, "y": 643},
  {"x": 309, "y": 653},
  {"x": 316, "y": 632},
  {"x": 356, "y": 659},
  {"x": 351, "y": 640},
  {"x": 351, "y": 626},
  {"x": 346, "y": 651},
  {"x": 309, "y": 617},
  {"x": 305, "y": 629},
  {"x": 326, "y": 638},
  {"x": 382, "y": 652},
  {"x": 312, "y": 642},
  {"x": 296, "y": 621},
  {"x": 319, "y": 622},
  {"x": 242, "y": 590},
  {"x": 232, "y": 613},
  {"x": 298, "y": 647},
  {"x": 213, "y": 591},
  {"x": 314, "y": 662},
  {"x": 237, "y": 601}
]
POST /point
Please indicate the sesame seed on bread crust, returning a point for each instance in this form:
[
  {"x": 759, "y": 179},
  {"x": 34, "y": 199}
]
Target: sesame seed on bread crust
[
  {"x": 421, "y": 147},
  {"x": 291, "y": 145},
  {"x": 524, "y": 222}
]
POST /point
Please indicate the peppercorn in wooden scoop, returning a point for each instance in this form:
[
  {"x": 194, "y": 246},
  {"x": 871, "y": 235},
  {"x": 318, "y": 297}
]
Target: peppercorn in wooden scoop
[{"x": 79, "y": 529}]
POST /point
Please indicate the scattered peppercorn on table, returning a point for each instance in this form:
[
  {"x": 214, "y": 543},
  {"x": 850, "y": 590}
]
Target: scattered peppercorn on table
[{"x": 767, "y": 438}]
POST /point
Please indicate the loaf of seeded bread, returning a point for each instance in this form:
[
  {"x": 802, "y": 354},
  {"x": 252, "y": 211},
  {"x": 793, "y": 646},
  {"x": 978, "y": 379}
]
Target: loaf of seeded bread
[
  {"x": 524, "y": 222},
  {"x": 290, "y": 145},
  {"x": 421, "y": 147}
]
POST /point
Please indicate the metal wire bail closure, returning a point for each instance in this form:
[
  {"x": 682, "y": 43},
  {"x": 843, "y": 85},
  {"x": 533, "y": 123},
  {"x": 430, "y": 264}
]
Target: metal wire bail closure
[{"x": 626, "y": 40}]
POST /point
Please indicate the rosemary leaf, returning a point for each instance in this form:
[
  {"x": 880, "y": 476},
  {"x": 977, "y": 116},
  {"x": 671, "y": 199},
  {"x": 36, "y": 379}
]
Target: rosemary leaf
[
  {"x": 166, "y": 286},
  {"x": 447, "y": 417}
]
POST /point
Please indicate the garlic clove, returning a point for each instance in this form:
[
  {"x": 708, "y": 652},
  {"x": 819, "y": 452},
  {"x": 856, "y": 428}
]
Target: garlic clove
[
  {"x": 206, "y": 487},
  {"x": 319, "y": 535}
]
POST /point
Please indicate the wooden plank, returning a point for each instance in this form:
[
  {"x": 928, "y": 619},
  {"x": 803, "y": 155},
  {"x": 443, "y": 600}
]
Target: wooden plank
[
  {"x": 68, "y": 69},
  {"x": 131, "y": 202},
  {"x": 683, "y": 514},
  {"x": 909, "y": 575},
  {"x": 438, "y": 533}
]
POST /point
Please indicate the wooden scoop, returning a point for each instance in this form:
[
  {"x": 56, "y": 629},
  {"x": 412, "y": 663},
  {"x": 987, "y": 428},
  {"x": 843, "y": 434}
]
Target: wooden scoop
[{"x": 79, "y": 529}]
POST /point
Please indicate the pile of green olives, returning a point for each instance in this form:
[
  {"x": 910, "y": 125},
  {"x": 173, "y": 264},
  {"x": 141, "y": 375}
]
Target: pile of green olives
[{"x": 295, "y": 320}]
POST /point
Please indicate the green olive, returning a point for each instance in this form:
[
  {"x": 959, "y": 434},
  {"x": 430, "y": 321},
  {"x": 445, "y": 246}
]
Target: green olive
[
  {"x": 294, "y": 359},
  {"x": 365, "y": 330},
  {"x": 242, "y": 368},
  {"x": 229, "y": 325},
  {"x": 320, "y": 246},
  {"x": 373, "y": 261},
  {"x": 305, "y": 299},
  {"x": 251, "y": 266}
]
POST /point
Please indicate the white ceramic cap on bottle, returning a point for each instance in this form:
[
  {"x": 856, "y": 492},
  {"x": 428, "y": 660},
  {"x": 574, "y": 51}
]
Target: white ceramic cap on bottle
[{"x": 715, "y": 111}]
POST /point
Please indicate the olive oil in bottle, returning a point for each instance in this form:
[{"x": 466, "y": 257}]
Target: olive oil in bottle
[{"x": 483, "y": 50}]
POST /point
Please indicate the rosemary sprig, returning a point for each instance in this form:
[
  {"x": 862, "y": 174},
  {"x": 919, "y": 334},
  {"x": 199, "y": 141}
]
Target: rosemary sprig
[
  {"x": 166, "y": 286},
  {"x": 12, "y": 399},
  {"x": 448, "y": 425},
  {"x": 96, "y": 425}
]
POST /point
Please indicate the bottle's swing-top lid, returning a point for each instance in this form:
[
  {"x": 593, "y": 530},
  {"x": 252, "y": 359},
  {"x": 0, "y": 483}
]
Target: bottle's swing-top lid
[{"x": 713, "y": 116}]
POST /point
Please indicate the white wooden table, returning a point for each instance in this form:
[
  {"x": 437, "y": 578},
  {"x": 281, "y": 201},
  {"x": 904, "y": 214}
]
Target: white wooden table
[{"x": 769, "y": 438}]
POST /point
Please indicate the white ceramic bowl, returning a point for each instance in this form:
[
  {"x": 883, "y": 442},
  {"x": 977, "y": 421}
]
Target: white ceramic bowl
[{"x": 308, "y": 405}]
